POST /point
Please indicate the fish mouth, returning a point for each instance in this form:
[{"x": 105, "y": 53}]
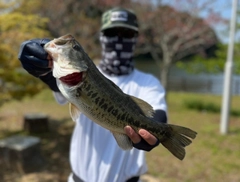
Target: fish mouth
[
  {"x": 49, "y": 46},
  {"x": 63, "y": 40},
  {"x": 72, "y": 79},
  {"x": 60, "y": 63}
]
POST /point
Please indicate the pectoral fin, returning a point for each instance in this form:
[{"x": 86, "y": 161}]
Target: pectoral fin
[
  {"x": 86, "y": 100},
  {"x": 74, "y": 112},
  {"x": 123, "y": 141}
]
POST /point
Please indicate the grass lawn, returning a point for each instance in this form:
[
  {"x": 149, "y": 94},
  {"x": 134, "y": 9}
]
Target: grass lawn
[{"x": 211, "y": 156}]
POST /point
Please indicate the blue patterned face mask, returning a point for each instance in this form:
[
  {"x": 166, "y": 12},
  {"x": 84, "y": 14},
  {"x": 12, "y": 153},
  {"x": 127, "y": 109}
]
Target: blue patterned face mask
[{"x": 117, "y": 55}]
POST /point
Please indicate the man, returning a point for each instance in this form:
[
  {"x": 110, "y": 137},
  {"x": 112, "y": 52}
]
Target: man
[{"x": 94, "y": 153}]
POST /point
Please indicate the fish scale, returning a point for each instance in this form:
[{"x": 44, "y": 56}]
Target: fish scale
[
  {"x": 104, "y": 102},
  {"x": 106, "y": 105}
]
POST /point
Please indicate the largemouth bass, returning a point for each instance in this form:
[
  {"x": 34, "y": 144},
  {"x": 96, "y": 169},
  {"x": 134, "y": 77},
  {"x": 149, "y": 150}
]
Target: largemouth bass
[{"x": 90, "y": 92}]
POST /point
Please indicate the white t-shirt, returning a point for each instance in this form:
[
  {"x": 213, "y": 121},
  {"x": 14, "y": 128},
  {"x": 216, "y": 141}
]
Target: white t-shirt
[{"x": 94, "y": 153}]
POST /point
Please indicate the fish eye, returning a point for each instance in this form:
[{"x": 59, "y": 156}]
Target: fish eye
[{"x": 76, "y": 47}]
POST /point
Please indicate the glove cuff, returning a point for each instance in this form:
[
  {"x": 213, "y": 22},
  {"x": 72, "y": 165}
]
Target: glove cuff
[
  {"x": 143, "y": 145},
  {"x": 50, "y": 81}
]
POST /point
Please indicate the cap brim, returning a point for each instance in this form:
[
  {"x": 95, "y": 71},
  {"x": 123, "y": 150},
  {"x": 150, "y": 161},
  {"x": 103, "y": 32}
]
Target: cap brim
[{"x": 119, "y": 25}]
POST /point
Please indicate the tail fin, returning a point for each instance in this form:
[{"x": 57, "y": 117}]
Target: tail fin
[{"x": 178, "y": 139}]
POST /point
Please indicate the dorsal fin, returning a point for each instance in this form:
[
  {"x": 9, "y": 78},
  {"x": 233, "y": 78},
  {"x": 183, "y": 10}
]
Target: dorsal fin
[{"x": 145, "y": 107}]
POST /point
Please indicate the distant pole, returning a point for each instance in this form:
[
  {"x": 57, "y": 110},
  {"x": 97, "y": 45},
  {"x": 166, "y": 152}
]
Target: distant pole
[{"x": 226, "y": 100}]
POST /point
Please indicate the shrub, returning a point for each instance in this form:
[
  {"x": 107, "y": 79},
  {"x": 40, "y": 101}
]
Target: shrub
[{"x": 200, "y": 105}]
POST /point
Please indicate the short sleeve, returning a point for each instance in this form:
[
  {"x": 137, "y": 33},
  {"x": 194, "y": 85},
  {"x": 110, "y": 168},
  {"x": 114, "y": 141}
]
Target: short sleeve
[
  {"x": 154, "y": 93},
  {"x": 60, "y": 98}
]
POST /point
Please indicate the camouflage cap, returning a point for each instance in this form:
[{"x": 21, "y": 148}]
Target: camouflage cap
[{"x": 119, "y": 17}]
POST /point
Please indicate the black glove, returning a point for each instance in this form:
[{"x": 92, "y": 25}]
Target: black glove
[
  {"x": 143, "y": 145},
  {"x": 34, "y": 60}
]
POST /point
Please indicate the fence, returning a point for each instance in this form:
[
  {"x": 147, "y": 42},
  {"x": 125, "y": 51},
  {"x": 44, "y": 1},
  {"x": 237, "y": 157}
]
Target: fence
[{"x": 213, "y": 85}]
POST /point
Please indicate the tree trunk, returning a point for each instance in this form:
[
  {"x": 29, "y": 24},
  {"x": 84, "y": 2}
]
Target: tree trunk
[
  {"x": 164, "y": 67},
  {"x": 164, "y": 74}
]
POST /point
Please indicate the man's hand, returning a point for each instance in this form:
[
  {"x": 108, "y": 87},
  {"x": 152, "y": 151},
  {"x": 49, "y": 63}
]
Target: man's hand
[
  {"x": 34, "y": 58},
  {"x": 36, "y": 61},
  {"x": 142, "y": 140}
]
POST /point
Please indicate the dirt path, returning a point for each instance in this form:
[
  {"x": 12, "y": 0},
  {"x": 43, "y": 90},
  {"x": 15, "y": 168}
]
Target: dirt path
[
  {"x": 45, "y": 177},
  {"x": 148, "y": 178}
]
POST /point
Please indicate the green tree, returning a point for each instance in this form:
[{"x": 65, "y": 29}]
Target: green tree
[
  {"x": 23, "y": 20},
  {"x": 213, "y": 65},
  {"x": 15, "y": 28}
]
